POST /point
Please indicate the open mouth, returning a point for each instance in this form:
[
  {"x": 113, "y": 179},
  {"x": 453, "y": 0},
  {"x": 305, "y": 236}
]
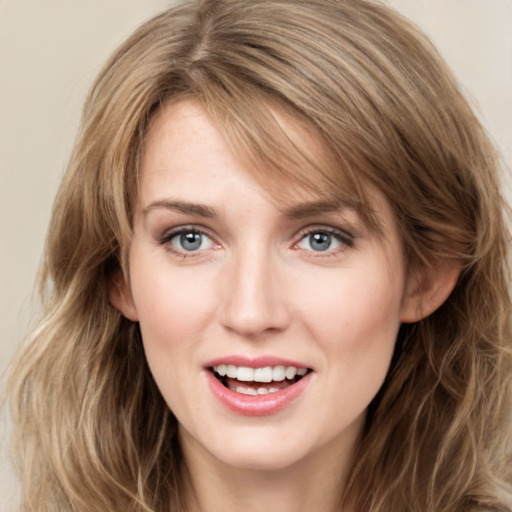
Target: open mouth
[{"x": 258, "y": 381}]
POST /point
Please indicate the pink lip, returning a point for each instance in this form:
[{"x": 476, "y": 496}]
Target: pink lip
[
  {"x": 254, "y": 362},
  {"x": 256, "y": 405}
]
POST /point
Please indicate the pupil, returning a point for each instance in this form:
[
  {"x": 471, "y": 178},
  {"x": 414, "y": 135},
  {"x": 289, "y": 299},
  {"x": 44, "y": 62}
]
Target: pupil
[
  {"x": 190, "y": 241},
  {"x": 320, "y": 241}
]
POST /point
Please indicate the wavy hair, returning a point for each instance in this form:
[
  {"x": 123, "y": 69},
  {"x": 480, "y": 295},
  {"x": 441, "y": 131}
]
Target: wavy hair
[{"x": 92, "y": 432}]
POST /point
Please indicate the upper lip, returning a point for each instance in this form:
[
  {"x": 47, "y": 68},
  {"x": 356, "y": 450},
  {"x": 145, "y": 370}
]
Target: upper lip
[{"x": 254, "y": 362}]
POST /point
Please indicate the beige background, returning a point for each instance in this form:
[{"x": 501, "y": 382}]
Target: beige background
[{"x": 50, "y": 51}]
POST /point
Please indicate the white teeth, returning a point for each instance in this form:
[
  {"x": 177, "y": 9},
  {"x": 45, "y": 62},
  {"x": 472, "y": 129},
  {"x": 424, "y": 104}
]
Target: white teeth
[
  {"x": 252, "y": 391},
  {"x": 265, "y": 374},
  {"x": 245, "y": 374},
  {"x": 279, "y": 373},
  {"x": 231, "y": 371},
  {"x": 246, "y": 391},
  {"x": 291, "y": 371}
]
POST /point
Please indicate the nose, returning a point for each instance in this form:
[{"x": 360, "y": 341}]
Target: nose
[{"x": 254, "y": 302}]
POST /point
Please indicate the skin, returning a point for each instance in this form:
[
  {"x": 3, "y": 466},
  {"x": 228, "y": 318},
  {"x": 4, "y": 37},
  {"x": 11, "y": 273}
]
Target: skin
[{"x": 258, "y": 285}]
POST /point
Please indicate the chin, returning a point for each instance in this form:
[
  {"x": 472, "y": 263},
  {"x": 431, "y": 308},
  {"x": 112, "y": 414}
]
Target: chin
[
  {"x": 262, "y": 460},
  {"x": 266, "y": 450},
  {"x": 256, "y": 449}
]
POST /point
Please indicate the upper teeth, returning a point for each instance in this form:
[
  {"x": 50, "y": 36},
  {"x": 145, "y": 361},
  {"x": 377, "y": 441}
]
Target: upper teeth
[{"x": 265, "y": 374}]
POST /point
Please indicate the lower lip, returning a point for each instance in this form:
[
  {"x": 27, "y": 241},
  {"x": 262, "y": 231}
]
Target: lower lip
[{"x": 257, "y": 405}]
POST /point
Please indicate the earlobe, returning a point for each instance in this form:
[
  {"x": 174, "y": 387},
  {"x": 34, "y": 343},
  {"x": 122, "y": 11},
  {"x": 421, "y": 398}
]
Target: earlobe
[
  {"x": 429, "y": 289},
  {"x": 120, "y": 297}
]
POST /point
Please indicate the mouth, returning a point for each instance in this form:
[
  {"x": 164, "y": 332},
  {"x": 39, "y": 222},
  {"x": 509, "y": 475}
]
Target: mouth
[{"x": 258, "y": 381}]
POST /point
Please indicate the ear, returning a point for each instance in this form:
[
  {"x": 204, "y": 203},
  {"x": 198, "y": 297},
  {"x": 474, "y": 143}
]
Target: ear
[
  {"x": 428, "y": 289},
  {"x": 120, "y": 296}
]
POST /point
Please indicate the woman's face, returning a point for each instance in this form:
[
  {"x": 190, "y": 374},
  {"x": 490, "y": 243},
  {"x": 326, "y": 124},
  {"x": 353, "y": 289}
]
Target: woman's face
[{"x": 268, "y": 328}]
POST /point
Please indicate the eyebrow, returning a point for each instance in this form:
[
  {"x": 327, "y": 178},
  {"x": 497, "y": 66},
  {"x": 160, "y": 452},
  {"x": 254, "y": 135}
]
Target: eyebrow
[
  {"x": 200, "y": 210},
  {"x": 310, "y": 209},
  {"x": 298, "y": 211}
]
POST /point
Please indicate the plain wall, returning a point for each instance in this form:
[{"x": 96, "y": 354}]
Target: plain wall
[{"x": 50, "y": 52}]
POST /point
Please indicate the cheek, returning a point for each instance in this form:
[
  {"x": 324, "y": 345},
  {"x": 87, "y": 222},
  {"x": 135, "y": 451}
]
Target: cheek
[
  {"x": 169, "y": 299},
  {"x": 357, "y": 315},
  {"x": 173, "y": 310},
  {"x": 356, "y": 326}
]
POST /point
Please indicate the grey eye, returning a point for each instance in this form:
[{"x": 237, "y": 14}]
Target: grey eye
[
  {"x": 190, "y": 241},
  {"x": 322, "y": 241},
  {"x": 319, "y": 241}
]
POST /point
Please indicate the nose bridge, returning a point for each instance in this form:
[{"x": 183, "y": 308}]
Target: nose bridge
[{"x": 253, "y": 301}]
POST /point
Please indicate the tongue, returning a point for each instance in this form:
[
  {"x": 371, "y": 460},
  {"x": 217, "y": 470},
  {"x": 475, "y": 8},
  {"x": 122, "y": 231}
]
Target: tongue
[{"x": 234, "y": 383}]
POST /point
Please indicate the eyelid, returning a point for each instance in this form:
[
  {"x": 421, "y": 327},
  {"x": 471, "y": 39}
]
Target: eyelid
[
  {"x": 166, "y": 237},
  {"x": 343, "y": 236},
  {"x": 170, "y": 233}
]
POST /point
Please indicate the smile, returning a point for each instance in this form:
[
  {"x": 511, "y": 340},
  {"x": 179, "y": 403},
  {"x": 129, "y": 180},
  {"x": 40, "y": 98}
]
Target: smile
[{"x": 258, "y": 381}]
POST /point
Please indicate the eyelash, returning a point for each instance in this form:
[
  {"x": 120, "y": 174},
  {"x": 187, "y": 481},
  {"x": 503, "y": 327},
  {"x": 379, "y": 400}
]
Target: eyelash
[
  {"x": 166, "y": 238},
  {"x": 345, "y": 239}
]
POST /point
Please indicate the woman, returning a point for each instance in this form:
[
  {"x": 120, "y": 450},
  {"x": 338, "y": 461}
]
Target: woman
[{"x": 276, "y": 277}]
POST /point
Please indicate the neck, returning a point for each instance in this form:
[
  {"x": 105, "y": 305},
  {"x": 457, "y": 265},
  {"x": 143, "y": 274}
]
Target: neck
[{"x": 315, "y": 483}]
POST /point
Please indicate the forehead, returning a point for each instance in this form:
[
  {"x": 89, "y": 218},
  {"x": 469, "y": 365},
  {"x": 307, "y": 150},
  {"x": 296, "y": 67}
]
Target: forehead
[{"x": 185, "y": 141}]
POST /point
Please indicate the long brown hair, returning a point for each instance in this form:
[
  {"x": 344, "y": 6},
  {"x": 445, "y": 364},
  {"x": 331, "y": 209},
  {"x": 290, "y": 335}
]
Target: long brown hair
[{"x": 93, "y": 432}]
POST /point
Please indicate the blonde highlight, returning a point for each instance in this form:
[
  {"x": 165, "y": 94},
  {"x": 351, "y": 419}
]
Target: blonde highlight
[{"x": 92, "y": 430}]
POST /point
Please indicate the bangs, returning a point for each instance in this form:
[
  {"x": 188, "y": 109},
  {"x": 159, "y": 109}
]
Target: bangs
[{"x": 282, "y": 149}]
